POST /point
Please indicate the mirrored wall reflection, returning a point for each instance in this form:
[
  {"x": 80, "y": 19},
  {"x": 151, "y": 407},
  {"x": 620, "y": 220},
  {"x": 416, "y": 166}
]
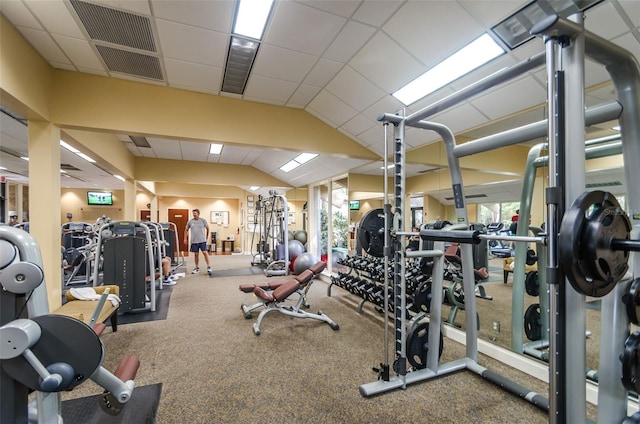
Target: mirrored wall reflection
[{"x": 334, "y": 232}]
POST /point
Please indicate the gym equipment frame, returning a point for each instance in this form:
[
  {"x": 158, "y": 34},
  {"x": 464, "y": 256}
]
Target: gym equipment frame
[
  {"x": 566, "y": 45},
  {"x": 44, "y": 352}
]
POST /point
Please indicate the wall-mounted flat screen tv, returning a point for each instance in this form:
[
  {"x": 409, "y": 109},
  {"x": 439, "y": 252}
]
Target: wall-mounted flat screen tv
[
  {"x": 99, "y": 198},
  {"x": 354, "y": 205}
]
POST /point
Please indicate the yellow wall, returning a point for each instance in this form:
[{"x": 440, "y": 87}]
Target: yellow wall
[{"x": 74, "y": 201}]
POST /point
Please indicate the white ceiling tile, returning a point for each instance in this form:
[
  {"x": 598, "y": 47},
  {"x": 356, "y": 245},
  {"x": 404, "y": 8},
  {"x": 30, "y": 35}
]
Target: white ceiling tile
[
  {"x": 521, "y": 94},
  {"x": 215, "y": 15},
  {"x": 269, "y": 89},
  {"x": 283, "y": 64},
  {"x": 251, "y": 156},
  {"x": 495, "y": 65},
  {"x": 605, "y": 21},
  {"x": 301, "y": 28},
  {"x": 65, "y": 66},
  {"x": 342, "y": 8},
  {"x": 418, "y": 21},
  {"x": 234, "y": 155},
  {"x": 415, "y": 137},
  {"x": 357, "y": 125},
  {"x": 165, "y": 148},
  {"x": 323, "y": 72},
  {"x": 632, "y": 9},
  {"x": 18, "y": 14},
  {"x": 140, "y": 7},
  {"x": 193, "y": 75},
  {"x": 194, "y": 151},
  {"x": 460, "y": 118},
  {"x": 386, "y": 64},
  {"x": 303, "y": 95},
  {"x": 529, "y": 49},
  {"x": 376, "y": 13},
  {"x": 332, "y": 108},
  {"x": 388, "y": 104},
  {"x": 45, "y": 45},
  {"x": 351, "y": 39},
  {"x": 374, "y": 139},
  {"x": 100, "y": 72},
  {"x": 492, "y": 12},
  {"x": 79, "y": 51},
  {"x": 56, "y": 18},
  {"x": 192, "y": 44},
  {"x": 354, "y": 89}
]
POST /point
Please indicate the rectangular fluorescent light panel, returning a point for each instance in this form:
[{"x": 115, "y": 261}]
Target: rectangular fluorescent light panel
[
  {"x": 118, "y": 177},
  {"x": 254, "y": 188},
  {"x": 215, "y": 149},
  {"x": 475, "y": 54},
  {"x": 85, "y": 157},
  {"x": 251, "y": 18},
  {"x": 297, "y": 161},
  {"x": 69, "y": 147}
]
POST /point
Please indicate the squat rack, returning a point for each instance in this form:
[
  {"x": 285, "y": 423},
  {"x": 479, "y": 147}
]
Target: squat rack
[{"x": 566, "y": 43}]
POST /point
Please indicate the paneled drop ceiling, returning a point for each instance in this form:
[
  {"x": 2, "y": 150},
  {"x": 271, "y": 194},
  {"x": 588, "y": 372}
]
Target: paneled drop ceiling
[{"x": 338, "y": 60}]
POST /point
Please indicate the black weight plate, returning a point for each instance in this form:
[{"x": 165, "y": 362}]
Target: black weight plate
[
  {"x": 630, "y": 363},
  {"x": 532, "y": 258},
  {"x": 455, "y": 293},
  {"x": 422, "y": 297},
  {"x": 531, "y": 283},
  {"x": 631, "y": 301},
  {"x": 371, "y": 232},
  {"x": 418, "y": 345},
  {"x": 533, "y": 323},
  {"x": 584, "y": 249}
]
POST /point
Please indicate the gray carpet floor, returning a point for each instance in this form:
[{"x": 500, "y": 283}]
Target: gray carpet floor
[{"x": 213, "y": 369}]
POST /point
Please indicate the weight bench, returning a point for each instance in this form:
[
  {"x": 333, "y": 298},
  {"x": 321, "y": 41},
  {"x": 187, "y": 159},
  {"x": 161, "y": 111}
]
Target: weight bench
[
  {"x": 303, "y": 278},
  {"x": 272, "y": 301}
]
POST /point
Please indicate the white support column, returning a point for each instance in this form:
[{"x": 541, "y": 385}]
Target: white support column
[
  {"x": 130, "y": 201},
  {"x": 44, "y": 202}
]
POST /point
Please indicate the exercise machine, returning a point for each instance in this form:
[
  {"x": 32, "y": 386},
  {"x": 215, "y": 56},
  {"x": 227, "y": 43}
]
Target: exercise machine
[
  {"x": 303, "y": 279},
  {"x": 42, "y": 352},
  {"x": 274, "y": 302},
  {"x": 129, "y": 261},
  {"x": 273, "y": 245}
]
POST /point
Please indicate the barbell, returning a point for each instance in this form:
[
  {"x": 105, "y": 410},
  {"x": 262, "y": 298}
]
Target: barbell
[{"x": 593, "y": 241}]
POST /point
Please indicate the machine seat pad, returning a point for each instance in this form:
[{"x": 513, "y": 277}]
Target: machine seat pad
[
  {"x": 318, "y": 267},
  {"x": 481, "y": 273}
]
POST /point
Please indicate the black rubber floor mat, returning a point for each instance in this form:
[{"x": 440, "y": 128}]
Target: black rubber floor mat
[
  {"x": 141, "y": 408},
  {"x": 254, "y": 270},
  {"x": 162, "y": 309}
]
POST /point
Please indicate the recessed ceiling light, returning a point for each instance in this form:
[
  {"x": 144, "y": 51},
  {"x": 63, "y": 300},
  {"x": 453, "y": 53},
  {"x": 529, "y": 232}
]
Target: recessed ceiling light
[
  {"x": 252, "y": 18},
  {"x": 215, "y": 149}
]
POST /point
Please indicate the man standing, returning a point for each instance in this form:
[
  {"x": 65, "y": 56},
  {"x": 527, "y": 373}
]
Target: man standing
[
  {"x": 13, "y": 218},
  {"x": 199, "y": 235}
]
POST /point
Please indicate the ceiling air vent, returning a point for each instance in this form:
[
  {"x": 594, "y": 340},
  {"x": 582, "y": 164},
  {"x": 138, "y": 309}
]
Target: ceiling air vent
[
  {"x": 606, "y": 184},
  {"x": 242, "y": 53},
  {"x": 139, "y": 141},
  {"x": 131, "y": 63},
  {"x": 115, "y": 26},
  {"x": 68, "y": 167}
]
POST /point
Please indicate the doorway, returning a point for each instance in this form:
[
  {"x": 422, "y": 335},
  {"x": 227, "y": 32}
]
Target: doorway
[{"x": 180, "y": 217}]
